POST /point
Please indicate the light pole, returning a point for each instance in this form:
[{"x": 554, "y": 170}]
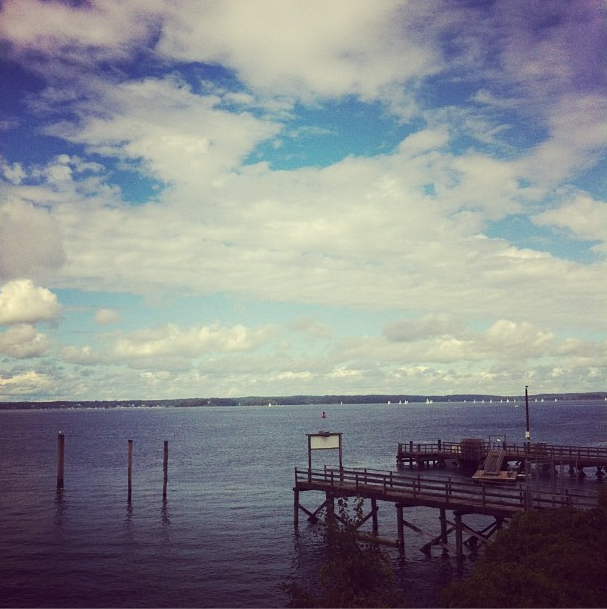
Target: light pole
[
  {"x": 527, "y": 433},
  {"x": 528, "y": 481}
]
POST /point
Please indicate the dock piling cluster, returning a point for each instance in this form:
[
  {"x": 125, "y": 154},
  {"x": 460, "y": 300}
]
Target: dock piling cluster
[{"x": 61, "y": 466}]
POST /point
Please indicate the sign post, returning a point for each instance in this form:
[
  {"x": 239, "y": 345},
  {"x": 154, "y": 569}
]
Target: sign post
[{"x": 323, "y": 440}]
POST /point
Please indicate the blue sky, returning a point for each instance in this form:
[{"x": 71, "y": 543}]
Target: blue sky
[{"x": 232, "y": 198}]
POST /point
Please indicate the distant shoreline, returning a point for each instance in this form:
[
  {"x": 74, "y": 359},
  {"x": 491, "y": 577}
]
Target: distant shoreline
[{"x": 297, "y": 400}]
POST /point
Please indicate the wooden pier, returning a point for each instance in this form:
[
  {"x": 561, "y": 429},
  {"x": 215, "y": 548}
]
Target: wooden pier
[
  {"x": 472, "y": 453},
  {"x": 462, "y": 497}
]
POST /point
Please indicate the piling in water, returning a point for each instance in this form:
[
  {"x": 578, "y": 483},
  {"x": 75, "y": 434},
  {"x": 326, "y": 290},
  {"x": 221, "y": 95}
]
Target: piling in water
[
  {"x": 165, "y": 468},
  {"x": 130, "y": 469},
  {"x": 60, "y": 459}
]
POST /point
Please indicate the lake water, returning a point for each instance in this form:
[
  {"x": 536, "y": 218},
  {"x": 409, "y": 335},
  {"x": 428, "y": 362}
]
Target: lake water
[{"x": 224, "y": 537}]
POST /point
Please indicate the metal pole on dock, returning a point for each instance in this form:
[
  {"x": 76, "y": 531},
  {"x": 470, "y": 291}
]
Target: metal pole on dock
[
  {"x": 129, "y": 469},
  {"x": 60, "y": 459},
  {"x": 527, "y": 433},
  {"x": 165, "y": 469}
]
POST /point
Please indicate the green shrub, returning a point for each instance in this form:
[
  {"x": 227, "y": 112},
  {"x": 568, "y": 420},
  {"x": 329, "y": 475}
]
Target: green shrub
[
  {"x": 553, "y": 558},
  {"x": 357, "y": 573}
]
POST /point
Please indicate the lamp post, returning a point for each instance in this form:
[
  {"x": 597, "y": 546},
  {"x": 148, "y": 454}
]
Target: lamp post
[
  {"x": 528, "y": 470},
  {"x": 527, "y": 433}
]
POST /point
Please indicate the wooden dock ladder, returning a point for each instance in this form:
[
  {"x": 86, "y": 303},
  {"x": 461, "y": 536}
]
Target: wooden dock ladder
[{"x": 494, "y": 460}]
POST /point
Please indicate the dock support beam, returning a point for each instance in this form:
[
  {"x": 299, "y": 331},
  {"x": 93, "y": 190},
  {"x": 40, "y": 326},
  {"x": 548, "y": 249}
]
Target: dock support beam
[
  {"x": 459, "y": 545},
  {"x": 374, "y": 511},
  {"x": 330, "y": 505},
  {"x": 295, "y": 507},
  {"x": 443, "y": 525},
  {"x": 400, "y": 528}
]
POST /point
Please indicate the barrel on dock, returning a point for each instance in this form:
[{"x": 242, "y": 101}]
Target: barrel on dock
[{"x": 472, "y": 452}]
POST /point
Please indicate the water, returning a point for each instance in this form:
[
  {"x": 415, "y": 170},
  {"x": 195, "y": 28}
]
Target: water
[{"x": 224, "y": 537}]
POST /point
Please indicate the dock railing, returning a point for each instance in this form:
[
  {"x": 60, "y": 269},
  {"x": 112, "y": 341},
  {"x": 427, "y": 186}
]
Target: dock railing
[
  {"x": 443, "y": 447},
  {"x": 440, "y": 492},
  {"x": 591, "y": 455}
]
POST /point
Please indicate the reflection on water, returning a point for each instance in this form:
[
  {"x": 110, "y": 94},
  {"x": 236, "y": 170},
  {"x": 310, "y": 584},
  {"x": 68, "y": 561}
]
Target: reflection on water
[
  {"x": 166, "y": 516},
  {"x": 59, "y": 508},
  {"x": 129, "y": 512}
]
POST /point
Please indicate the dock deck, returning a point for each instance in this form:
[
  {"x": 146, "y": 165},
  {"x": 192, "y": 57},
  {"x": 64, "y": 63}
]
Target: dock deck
[
  {"x": 461, "y": 496},
  {"x": 449, "y": 493},
  {"x": 424, "y": 454}
]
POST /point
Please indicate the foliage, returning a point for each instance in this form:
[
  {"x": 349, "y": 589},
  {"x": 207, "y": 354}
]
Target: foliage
[
  {"x": 357, "y": 573},
  {"x": 555, "y": 558}
]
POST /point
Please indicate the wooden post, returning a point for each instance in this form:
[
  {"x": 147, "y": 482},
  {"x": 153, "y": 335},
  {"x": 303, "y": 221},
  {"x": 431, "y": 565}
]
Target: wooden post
[
  {"x": 330, "y": 503},
  {"x": 459, "y": 546},
  {"x": 60, "y": 459},
  {"x": 165, "y": 468},
  {"x": 295, "y": 507},
  {"x": 443, "y": 525},
  {"x": 309, "y": 459},
  {"x": 129, "y": 469},
  {"x": 399, "y": 525},
  {"x": 375, "y": 522}
]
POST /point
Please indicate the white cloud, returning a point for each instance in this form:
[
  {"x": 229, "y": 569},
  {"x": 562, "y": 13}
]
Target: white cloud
[
  {"x": 21, "y": 302},
  {"x": 13, "y": 173},
  {"x": 577, "y": 138},
  {"x": 342, "y": 372},
  {"x": 85, "y": 356},
  {"x": 104, "y": 317},
  {"x": 25, "y": 384},
  {"x": 518, "y": 339},
  {"x": 181, "y": 136},
  {"x": 341, "y": 236},
  {"x": 424, "y": 141},
  {"x": 23, "y": 341},
  {"x": 29, "y": 240},
  {"x": 171, "y": 340},
  {"x": 582, "y": 216},
  {"x": 311, "y": 328},
  {"x": 77, "y": 35},
  {"x": 300, "y": 50},
  {"x": 430, "y": 325}
]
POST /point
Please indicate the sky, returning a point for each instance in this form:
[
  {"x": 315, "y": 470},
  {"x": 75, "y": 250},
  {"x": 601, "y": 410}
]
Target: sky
[{"x": 228, "y": 198}]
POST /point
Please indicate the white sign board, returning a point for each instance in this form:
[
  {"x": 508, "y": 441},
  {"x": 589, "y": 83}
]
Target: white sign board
[{"x": 323, "y": 441}]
